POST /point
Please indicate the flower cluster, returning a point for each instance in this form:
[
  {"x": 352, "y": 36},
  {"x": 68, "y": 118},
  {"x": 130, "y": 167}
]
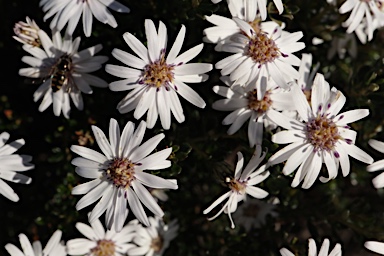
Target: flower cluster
[{"x": 291, "y": 106}]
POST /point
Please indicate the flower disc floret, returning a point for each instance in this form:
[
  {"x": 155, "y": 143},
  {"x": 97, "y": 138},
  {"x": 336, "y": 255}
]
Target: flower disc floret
[
  {"x": 236, "y": 185},
  {"x": 158, "y": 73},
  {"x": 322, "y": 133},
  {"x": 262, "y": 49},
  {"x": 104, "y": 248},
  {"x": 121, "y": 172},
  {"x": 260, "y": 106}
]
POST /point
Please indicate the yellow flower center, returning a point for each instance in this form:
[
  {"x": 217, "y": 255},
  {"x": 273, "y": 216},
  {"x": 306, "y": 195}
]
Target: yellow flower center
[
  {"x": 236, "y": 185},
  {"x": 260, "y": 106},
  {"x": 322, "y": 133},
  {"x": 104, "y": 248},
  {"x": 262, "y": 49},
  {"x": 121, "y": 172},
  {"x": 159, "y": 73}
]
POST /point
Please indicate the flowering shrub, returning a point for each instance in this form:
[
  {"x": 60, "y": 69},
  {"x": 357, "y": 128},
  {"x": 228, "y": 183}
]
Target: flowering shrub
[{"x": 169, "y": 117}]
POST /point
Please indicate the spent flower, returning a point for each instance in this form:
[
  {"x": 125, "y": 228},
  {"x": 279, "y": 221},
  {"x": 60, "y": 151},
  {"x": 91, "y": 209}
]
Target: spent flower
[{"x": 26, "y": 32}]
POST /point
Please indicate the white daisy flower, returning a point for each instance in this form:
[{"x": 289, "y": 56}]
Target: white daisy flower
[
  {"x": 54, "y": 247},
  {"x": 155, "y": 239},
  {"x": 253, "y": 213},
  {"x": 375, "y": 246},
  {"x": 118, "y": 174},
  {"x": 64, "y": 71},
  {"x": 251, "y": 102},
  {"x": 256, "y": 6},
  {"x": 26, "y": 32},
  {"x": 267, "y": 52},
  {"x": 242, "y": 184},
  {"x": 99, "y": 242},
  {"x": 312, "y": 249},
  {"x": 361, "y": 11},
  {"x": 323, "y": 135},
  {"x": 378, "y": 181},
  {"x": 12, "y": 165},
  {"x": 69, "y": 12},
  {"x": 155, "y": 80}
]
